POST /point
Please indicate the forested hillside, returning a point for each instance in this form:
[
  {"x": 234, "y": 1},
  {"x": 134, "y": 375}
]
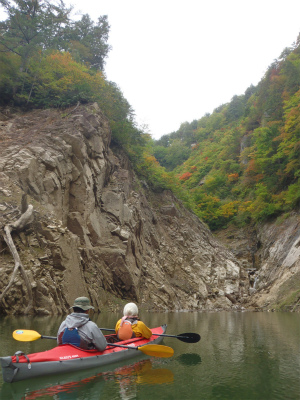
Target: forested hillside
[
  {"x": 49, "y": 60},
  {"x": 239, "y": 164},
  {"x": 242, "y": 162}
]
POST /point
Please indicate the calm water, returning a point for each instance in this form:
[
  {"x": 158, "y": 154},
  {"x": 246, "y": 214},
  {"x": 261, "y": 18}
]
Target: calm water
[{"x": 241, "y": 356}]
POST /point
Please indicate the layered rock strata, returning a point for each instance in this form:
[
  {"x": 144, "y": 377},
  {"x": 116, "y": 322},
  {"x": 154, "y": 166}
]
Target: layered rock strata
[{"x": 98, "y": 230}]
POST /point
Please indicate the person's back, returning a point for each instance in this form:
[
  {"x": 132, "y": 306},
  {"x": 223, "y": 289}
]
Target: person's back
[
  {"x": 77, "y": 329},
  {"x": 130, "y": 326}
]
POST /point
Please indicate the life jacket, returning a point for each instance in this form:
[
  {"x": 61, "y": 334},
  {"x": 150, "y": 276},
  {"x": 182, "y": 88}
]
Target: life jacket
[
  {"x": 71, "y": 336},
  {"x": 125, "y": 331}
]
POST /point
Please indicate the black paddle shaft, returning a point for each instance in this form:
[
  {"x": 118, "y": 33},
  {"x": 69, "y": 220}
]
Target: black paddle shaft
[
  {"x": 184, "y": 337},
  {"x": 48, "y": 337}
]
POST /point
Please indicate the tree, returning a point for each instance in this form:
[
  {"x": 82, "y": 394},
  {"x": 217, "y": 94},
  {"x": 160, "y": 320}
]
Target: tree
[
  {"x": 87, "y": 41},
  {"x": 32, "y": 26},
  {"x": 236, "y": 108},
  {"x": 176, "y": 155},
  {"x": 163, "y": 141}
]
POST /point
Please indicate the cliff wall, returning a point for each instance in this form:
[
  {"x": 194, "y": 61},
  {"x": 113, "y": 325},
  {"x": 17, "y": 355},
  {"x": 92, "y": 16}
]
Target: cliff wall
[
  {"x": 99, "y": 231},
  {"x": 270, "y": 252}
]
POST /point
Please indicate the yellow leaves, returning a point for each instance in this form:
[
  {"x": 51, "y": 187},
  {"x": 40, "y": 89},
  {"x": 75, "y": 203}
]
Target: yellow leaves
[
  {"x": 150, "y": 159},
  {"x": 245, "y": 206},
  {"x": 229, "y": 209},
  {"x": 68, "y": 71},
  {"x": 60, "y": 80}
]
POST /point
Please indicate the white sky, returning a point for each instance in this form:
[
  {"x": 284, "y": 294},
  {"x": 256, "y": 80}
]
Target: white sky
[{"x": 176, "y": 60}]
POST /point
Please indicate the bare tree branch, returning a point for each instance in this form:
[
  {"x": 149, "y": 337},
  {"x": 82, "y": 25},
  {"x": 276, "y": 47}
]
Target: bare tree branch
[{"x": 18, "y": 225}]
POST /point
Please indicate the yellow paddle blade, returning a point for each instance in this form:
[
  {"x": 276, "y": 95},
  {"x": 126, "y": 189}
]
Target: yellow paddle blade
[
  {"x": 157, "y": 350},
  {"x": 23, "y": 335}
]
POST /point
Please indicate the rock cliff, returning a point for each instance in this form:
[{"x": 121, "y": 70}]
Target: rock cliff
[
  {"x": 97, "y": 230},
  {"x": 270, "y": 253}
]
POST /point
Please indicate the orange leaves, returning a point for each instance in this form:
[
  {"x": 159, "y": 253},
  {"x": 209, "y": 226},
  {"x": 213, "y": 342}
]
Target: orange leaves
[
  {"x": 233, "y": 177},
  {"x": 252, "y": 168},
  {"x": 185, "y": 176}
]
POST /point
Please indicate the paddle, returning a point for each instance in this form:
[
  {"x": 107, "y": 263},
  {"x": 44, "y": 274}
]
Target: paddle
[
  {"x": 155, "y": 350},
  {"x": 24, "y": 335},
  {"x": 184, "y": 337}
]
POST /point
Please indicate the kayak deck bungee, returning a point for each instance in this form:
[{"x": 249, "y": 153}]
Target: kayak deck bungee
[{"x": 68, "y": 358}]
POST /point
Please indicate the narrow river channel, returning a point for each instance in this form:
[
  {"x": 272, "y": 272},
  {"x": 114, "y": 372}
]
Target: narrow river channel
[{"x": 241, "y": 356}]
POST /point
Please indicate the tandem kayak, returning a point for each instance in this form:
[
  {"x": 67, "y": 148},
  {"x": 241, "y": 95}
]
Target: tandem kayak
[{"x": 69, "y": 358}]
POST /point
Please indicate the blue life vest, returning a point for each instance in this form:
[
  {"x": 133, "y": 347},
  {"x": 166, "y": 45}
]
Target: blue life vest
[{"x": 71, "y": 336}]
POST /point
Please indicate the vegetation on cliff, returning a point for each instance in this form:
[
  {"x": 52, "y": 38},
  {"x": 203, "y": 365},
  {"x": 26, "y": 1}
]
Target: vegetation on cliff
[
  {"x": 240, "y": 164},
  {"x": 48, "y": 60}
]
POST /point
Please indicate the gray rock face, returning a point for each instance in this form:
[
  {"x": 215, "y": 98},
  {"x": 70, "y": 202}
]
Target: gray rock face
[
  {"x": 98, "y": 231},
  {"x": 270, "y": 254},
  {"x": 277, "y": 281}
]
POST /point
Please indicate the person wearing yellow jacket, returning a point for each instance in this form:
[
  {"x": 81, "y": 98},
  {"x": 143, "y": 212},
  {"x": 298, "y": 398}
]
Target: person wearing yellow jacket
[{"x": 129, "y": 326}]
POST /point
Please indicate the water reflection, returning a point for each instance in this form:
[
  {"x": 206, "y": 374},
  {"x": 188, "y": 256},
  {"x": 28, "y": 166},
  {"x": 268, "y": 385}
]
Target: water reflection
[
  {"x": 139, "y": 374},
  {"x": 90, "y": 384},
  {"x": 189, "y": 359},
  {"x": 253, "y": 356}
]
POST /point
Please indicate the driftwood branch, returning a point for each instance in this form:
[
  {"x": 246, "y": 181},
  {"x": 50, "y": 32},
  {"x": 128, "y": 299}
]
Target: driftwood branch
[{"x": 18, "y": 225}]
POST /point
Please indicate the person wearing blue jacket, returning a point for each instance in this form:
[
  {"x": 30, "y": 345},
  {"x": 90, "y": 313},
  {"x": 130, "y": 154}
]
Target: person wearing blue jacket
[{"x": 77, "y": 329}]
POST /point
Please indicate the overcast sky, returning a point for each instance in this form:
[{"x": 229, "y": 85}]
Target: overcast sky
[{"x": 176, "y": 60}]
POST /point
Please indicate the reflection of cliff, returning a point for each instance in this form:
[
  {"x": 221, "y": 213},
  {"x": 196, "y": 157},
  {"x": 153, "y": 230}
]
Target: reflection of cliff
[
  {"x": 98, "y": 230},
  {"x": 266, "y": 334},
  {"x": 91, "y": 384}
]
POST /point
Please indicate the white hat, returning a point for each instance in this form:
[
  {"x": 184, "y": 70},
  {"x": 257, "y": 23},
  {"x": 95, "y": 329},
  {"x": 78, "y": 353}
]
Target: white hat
[{"x": 131, "y": 310}]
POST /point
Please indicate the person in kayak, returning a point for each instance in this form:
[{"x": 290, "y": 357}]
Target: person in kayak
[
  {"x": 129, "y": 326},
  {"x": 79, "y": 330}
]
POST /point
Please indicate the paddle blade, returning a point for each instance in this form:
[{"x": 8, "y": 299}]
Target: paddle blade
[
  {"x": 23, "y": 335},
  {"x": 157, "y": 350},
  {"x": 189, "y": 337}
]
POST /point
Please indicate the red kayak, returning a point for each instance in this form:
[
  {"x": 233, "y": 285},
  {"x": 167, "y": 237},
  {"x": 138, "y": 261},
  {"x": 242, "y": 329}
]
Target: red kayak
[{"x": 68, "y": 358}]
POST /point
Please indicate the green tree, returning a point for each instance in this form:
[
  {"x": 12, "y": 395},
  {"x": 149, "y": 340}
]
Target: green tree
[
  {"x": 163, "y": 141},
  {"x": 236, "y": 108},
  {"x": 32, "y": 26},
  {"x": 176, "y": 155},
  {"x": 87, "y": 41}
]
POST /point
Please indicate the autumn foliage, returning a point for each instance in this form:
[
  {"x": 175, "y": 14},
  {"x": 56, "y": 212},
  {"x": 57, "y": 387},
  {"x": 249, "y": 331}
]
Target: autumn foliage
[
  {"x": 240, "y": 164},
  {"x": 245, "y": 165},
  {"x": 185, "y": 176}
]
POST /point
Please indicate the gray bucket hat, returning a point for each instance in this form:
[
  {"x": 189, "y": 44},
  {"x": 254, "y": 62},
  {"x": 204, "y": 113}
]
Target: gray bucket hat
[{"x": 83, "y": 303}]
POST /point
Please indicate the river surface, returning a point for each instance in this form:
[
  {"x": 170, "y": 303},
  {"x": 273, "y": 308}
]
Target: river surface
[{"x": 241, "y": 356}]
